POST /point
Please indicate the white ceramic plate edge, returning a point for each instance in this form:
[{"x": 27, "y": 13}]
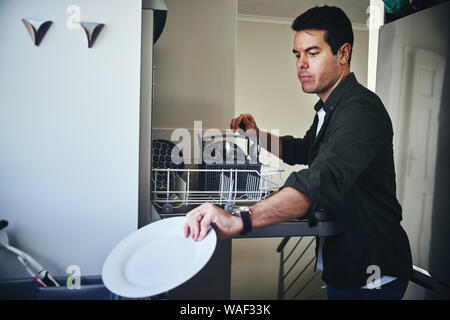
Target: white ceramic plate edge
[{"x": 114, "y": 263}]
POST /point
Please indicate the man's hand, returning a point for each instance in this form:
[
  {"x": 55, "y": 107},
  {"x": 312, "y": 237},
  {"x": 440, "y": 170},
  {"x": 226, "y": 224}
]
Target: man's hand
[
  {"x": 244, "y": 122},
  {"x": 200, "y": 218}
]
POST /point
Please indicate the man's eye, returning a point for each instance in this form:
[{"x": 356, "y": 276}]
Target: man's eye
[
  {"x": 311, "y": 53},
  {"x": 297, "y": 57}
]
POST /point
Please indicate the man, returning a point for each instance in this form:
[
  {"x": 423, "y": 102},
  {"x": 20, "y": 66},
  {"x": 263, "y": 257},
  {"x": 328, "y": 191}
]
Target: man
[{"x": 351, "y": 172}]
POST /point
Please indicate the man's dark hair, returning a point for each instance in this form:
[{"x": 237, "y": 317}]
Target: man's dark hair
[{"x": 331, "y": 19}]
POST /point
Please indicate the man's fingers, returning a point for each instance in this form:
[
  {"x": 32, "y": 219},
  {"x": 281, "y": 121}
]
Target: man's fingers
[
  {"x": 192, "y": 226},
  {"x": 195, "y": 229},
  {"x": 200, "y": 219},
  {"x": 187, "y": 230},
  {"x": 250, "y": 122},
  {"x": 243, "y": 118},
  {"x": 236, "y": 122},
  {"x": 240, "y": 122},
  {"x": 233, "y": 124},
  {"x": 204, "y": 227}
]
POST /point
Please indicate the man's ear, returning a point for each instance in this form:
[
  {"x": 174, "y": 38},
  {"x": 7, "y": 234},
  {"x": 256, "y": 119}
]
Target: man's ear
[{"x": 344, "y": 53}]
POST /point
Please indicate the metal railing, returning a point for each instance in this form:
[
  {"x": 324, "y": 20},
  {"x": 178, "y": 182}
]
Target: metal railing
[
  {"x": 285, "y": 288},
  {"x": 420, "y": 276}
]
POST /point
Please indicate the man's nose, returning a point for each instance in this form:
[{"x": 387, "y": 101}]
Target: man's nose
[{"x": 302, "y": 63}]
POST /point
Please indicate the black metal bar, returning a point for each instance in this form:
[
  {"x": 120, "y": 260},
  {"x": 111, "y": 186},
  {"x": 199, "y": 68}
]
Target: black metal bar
[
  {"x": 309, "y": 281},
  {"x": 306, "y": 267},
  {"x": 324, "y": 225},
  {"x": 423, "y": 280},
  {"x": 280, "y": 278},
  {"x": 283, "y": 229},
  {"x": 293, "y": 249},
  {"x": 295, "y": 229},
  {"x": 296, "y": 261},
  {"x": 442, "y": 283},
  {"x": 282, "y": 244}
]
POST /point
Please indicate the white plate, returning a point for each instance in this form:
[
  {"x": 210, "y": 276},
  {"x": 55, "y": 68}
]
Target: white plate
[{"x": 156, "y": 259}]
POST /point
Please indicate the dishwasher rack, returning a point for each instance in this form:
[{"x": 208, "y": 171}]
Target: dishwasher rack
[{"x": 181, "y": 189}]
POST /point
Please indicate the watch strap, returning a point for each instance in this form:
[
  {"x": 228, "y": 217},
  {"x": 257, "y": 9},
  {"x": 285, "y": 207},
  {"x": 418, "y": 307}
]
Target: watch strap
[{"x": 246, "y": 221}]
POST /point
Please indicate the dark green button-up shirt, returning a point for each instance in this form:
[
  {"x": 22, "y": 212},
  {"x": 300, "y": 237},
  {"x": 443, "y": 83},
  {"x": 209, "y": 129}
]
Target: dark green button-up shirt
[{"x": 351, "y": 173}]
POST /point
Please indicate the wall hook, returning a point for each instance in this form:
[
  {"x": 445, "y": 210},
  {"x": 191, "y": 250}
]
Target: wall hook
[
  {"x": 37, "y": 29},
  {"x": 90, "y": 31}
]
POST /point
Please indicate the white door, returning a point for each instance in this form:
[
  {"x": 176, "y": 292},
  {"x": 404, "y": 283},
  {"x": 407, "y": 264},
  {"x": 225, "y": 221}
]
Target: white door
[{"x": 422, "y": 107}]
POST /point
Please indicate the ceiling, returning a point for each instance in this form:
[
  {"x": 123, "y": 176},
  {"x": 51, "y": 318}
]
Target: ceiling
[{"x": 355, "y": 9}]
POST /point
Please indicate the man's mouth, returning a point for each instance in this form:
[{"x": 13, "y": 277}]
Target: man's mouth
[{"x": 304, "y": 77}]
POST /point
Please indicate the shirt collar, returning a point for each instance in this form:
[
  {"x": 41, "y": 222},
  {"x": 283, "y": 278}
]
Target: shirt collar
[{"x": 336, "y": 94}]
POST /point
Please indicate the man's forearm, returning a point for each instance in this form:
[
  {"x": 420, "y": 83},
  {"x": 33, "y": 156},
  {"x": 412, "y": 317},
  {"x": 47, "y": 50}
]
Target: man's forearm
[{"x": 285, "y": 205}]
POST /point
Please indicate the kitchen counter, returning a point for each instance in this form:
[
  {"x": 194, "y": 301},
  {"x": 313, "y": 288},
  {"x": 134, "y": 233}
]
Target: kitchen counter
[
  {"x": 324, "y": 225},
  {"x": 213, "y": 281}
]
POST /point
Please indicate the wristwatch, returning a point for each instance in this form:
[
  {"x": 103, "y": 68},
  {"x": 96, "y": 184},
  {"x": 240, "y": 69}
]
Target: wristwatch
[{"x": 244, "y": 213}]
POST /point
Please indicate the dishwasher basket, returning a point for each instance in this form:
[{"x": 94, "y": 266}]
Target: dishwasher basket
[{"x": 221, "y": 184}]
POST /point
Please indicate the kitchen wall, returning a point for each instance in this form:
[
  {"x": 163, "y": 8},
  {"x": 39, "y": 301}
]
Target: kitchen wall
[
  {"x": 69, "y": 132},
  {"x": 268, "y": 88},
  {"x": 195, "y": 61}
]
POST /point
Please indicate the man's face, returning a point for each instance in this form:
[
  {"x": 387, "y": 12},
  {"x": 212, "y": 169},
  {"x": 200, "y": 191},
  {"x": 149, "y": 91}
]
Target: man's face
[{"x": 317, "y": 68}]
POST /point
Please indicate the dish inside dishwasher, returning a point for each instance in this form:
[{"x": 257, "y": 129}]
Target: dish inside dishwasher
[{"x": 227, "y": 176}]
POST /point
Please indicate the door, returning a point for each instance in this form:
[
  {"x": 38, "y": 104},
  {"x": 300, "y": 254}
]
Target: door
[{"x": 420, "y": 143}]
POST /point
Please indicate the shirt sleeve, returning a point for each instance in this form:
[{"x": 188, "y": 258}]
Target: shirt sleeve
[
  {"x": 295, "y": 150},
  {"x": 359, "y": 132}
]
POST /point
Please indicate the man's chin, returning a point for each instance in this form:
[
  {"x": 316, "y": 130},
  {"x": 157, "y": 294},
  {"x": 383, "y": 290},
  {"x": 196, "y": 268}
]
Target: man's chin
[{"x": 308, "y": 90}]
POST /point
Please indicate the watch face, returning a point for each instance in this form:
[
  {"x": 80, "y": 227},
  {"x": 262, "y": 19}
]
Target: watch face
[
  {"x": 236, "y": 213},
  {"x": 239, "y": 210}
]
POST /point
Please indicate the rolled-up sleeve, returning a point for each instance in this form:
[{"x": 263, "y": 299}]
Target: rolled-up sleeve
[{"x": 357, "y": 135}]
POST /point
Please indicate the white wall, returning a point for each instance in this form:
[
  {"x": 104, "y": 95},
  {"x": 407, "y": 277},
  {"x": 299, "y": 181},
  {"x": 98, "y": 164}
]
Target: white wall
[
  {"x": 69, "y": 131},
  {"x": 360, "y": 55},
  {"x": 195, "y": 61},
  {"x": 267, "y": 85},
  {"x": 268, "y": 88}
]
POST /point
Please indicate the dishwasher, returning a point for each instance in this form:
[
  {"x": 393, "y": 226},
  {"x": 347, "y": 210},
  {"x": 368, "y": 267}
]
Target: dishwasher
[
  {"x": 227, "y": 176},
  {"x": 177, "y": 189}
]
